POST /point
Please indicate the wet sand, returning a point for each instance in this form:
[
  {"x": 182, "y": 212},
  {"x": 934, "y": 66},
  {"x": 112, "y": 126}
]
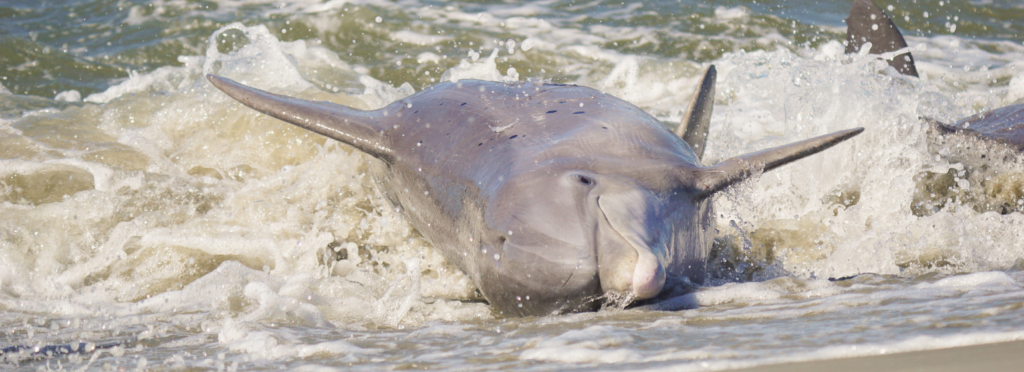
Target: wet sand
[{"x": 1006, "y": 356}]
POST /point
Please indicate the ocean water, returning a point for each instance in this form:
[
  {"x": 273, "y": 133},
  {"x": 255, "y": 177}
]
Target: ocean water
[{"x": 142, "y": 208}]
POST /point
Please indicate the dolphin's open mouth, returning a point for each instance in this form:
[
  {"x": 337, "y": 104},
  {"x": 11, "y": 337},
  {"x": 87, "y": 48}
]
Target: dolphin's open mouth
[{"x": 628, "y": 265}]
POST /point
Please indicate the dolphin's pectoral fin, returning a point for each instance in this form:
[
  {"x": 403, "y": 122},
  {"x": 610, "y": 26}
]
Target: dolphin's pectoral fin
[
  {"x": 697, "y": 118},
  {"x": 361, "y": 129},
  {"x": 869, "y": 24},
  {"x": 715, "y": 178}
]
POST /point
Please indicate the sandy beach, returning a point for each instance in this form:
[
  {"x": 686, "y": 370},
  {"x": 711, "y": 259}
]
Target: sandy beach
[{"x": 1005, "y": 356}]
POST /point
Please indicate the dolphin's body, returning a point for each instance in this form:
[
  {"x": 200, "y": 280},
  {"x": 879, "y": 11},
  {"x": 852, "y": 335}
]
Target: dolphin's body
[
  {"x": 1004, "y": 125},
  {"x": 549, "y": 197},
  {"x": 868, "y": 23}
]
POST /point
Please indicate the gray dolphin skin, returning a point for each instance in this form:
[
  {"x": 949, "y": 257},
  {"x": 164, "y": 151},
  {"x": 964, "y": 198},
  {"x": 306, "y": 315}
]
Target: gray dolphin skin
[
  {"x": 1003, "y": 125},
  {"x": 551, "y": 198},
  {"x": 869, "y": 23},
  {"x": 697, "y": 117}
]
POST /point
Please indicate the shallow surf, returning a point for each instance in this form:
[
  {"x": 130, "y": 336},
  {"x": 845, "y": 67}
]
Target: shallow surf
[{"x": 140, "y": 207}]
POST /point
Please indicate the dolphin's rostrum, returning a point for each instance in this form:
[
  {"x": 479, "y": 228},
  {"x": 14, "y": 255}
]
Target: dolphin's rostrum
[{"x": 586, "y": 197}]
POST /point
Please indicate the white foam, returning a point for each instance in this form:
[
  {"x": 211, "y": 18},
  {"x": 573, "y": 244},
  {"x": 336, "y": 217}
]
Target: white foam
[
  {"x": 325, "y": 6},
  {"x": 69, "y": 96},
  {"x": 974, "y": 280},
  {"x": 1015, "y": 90},
  {"x": 426, "y": 57},
  {"x": 136, "y": 16},
  {"x": 264, "y": 62},
  {"x": 265, "y": 345},
  {"x": 594, "y": 344},
  {"x": 276, "y": 306},
  {"x": 160, "y": 79},
  {"x": 732, "y": 292},
  {"x": 485, "y": 69},
  {"x": 724, "y": 13},
  {"x": 410, "y": 37},
  {"x": 528, "y": 44},
  {"x": 263, "y": 53}
]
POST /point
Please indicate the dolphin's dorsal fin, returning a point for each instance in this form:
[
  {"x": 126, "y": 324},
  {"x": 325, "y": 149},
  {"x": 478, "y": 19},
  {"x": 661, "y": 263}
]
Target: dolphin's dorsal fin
[
  {"x": 359, "y": 128},
  {"x": 869, "y": 24},
  {"x": 697, "y": 118},
  {"x": 715, "y": 178}
]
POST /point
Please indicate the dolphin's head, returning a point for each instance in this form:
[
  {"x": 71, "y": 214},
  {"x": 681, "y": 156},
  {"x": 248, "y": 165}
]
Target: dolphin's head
[
  {"x": 602, "y": 233},
  {"x": 604, "y": 208},
  {"x": 641, "y": 232},
  {"x": 610, "y": 211}
]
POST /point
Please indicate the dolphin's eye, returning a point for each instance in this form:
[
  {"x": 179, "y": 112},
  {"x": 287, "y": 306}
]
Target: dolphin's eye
[{"x": 584, "y": 179}]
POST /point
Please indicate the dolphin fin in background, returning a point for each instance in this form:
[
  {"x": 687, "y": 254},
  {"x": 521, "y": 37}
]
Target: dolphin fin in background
[
  {"x": 359, "y": 128},
  {"x": 697, "y": 118},
  {"x": 1004, "y": 125},
  {"x": 734, "y": 170},
  {"x": 869, "y": 24}
]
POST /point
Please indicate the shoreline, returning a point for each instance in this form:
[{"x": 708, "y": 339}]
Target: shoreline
[{"x": 1003, "y": 356}]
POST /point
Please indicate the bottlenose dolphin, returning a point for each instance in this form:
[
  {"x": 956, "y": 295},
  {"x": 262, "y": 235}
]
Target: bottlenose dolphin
[
  {"x": 551, "y": 198},
  {"x": 1003, "y": 125},
  {"x": 697, "y": 117},
  {"x": 868, "y": 23}
]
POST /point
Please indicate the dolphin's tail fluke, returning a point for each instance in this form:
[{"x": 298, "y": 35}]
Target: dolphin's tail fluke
[
  {"x": 697, "y": 118},
  {"x": 361, "y": 129},
  {"x": 869, "y": 24},
  {"x": 715, "y": 178}
]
